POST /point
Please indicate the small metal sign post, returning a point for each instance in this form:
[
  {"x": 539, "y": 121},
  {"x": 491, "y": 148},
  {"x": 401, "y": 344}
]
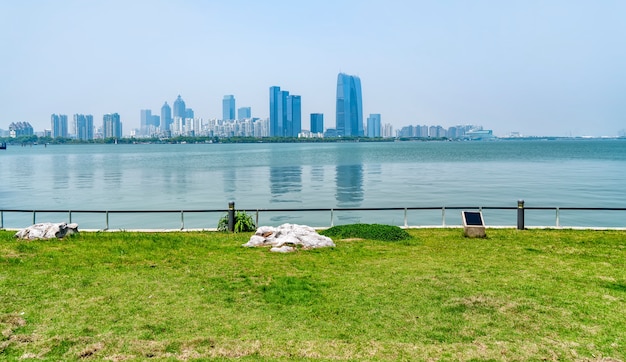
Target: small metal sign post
[
  {"x": 520, "y": 215},
  {"x": 473, "y": 224}
]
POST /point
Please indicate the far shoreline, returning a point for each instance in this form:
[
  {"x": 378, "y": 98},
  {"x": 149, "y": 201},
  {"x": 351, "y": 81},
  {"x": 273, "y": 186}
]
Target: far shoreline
[{"x": 35, "y": 140}]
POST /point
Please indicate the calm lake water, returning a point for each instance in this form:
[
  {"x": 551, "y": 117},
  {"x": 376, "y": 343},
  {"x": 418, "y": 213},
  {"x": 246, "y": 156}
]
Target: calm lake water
[{"x": 580, "y": 173}]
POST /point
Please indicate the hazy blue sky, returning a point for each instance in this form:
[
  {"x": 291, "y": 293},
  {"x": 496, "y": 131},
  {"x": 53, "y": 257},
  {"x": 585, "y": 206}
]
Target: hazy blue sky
[{"x": 535, "y": 67}]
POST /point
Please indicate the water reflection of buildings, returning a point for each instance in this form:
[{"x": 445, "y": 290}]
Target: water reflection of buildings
[
  {"x": 285, "y": 187},
  {"x": 174, "y": 183},
  {"x": 84, "y": 171},
  {"x": 349, "y": 180},
  {"x": 286, "y": 183},
  {"x": 317, "y": 177},
  {"x": 229, "y": 176},
  {"x": 60, "y": 174}
]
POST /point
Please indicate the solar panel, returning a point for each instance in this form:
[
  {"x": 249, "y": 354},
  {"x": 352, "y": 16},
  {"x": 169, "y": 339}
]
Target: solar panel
[{"x": 473, "y": 218}]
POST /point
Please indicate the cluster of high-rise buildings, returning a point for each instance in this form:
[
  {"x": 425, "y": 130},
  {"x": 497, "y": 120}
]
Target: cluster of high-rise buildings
[
  {"x": 454, "y": 132},
  {"x": 285, "y": 117},
  {"x": 82, "y": 127},
  {"x": 285, "y": 120},
  {"x": 181, "y": 121}
]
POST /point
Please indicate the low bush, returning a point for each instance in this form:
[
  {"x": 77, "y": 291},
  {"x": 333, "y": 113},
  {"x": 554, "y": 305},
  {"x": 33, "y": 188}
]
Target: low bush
[
  {"x": 367, "y": 231},
  {"x": 243, "y": 222}
]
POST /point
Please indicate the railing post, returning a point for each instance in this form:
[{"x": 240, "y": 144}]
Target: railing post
[
  {"x": 256, "y": 219},
  {"x": 70, "y": 215},
  {"x": 405, "y": 219},
  {"x": 520, "y": 214},
  {"x": 443, "y": 216},
  {"x": 332, "y": 217},
  {"x": 182, "y": 220},
  {"x": 34, "y": 217},
  {"x": 231, "y": 216},
  {"x": 1, "y": 219},
  {"x": 558, "y": 221},
  {"x": 107, "y": 220}
]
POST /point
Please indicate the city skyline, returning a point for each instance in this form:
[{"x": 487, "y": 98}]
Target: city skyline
[{"x": 537, "y": 68}]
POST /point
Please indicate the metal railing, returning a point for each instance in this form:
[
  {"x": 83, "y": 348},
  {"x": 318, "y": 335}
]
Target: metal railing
[{"x": 333, "y": 212}]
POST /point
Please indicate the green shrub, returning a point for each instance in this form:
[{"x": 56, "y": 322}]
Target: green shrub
[
  {"x": 367, "y": 231},
  {"x": 243, "y": 222}
]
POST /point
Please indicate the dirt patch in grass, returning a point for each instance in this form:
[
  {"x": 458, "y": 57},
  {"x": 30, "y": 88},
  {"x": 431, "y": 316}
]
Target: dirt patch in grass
[
  {"x": 9, "y": 323},
  {"x": 90, "y": 350},
  {"x": 352, "y": 239}
]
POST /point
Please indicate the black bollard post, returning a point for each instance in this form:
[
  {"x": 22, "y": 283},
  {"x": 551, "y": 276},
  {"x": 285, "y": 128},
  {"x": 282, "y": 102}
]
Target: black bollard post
[
  {"x": 520, "y": 214},
  {"x": 231, "y": 216}
]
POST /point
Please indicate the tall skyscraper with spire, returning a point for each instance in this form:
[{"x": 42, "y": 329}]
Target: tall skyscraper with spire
[
  {"x": 349, "y": 120},
  {"x": 179, "y": 108}
]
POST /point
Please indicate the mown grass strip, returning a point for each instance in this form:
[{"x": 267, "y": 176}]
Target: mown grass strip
[{"x": 516, "y": 295}]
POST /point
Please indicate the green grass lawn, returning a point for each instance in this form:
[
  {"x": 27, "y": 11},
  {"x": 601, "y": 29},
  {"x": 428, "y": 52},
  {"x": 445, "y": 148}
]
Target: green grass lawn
[{"x": 515, "y": 295}]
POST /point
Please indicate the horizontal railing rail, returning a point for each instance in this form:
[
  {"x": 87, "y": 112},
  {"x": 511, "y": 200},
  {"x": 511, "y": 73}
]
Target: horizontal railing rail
[{"x": 332, "y": 211}]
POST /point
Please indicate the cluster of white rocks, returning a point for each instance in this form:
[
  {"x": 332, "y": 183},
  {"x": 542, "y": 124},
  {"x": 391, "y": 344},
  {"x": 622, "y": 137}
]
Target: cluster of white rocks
[
  {"x": 288, "y": 237},
  {"x": 47, "y": 230}
]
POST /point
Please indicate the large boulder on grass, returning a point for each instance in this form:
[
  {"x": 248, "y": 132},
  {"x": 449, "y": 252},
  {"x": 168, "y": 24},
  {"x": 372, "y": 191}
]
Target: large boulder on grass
[
  {"x": 47, "y": 230},
  {"x": 288, "y": 237}
]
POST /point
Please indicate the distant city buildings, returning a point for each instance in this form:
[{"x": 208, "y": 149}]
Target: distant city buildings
[
  {"x": 83, "y": 127},
  {"x": 373, "y": 125},
  {"x": 17, "y": 129},
  {"x": 285, "y": 120},
  {"x": 294, "y": 116},
  {"x": 244, "y": 113},
  {"x": 349, "y": 106},
  {"x": 179, "y": 107},
  {"x": 166, "y": 117},
  {"x": 317, "y": 123},
  {"x": 58, "y": 123},
  {"x": 423, "y": 131},
  {"x": 387, "y": 131},
  {"x": 150, "y": 123},
  {"x": 145, "y": 119},
  {"x": 189, "y": 114},
  {"x": 277, "y": 99},
  {"x": 228, "y": 108},
  {"x": 285, "y": 113},
  {"x": 111, "y": 126}
]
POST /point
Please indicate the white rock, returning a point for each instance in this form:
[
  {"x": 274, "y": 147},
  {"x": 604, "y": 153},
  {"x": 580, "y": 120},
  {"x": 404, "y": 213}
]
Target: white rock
[
  {"x": 286, "y": 239},
  {"x": 316, "y": 241},
  {"x": 265, "y": 229},
  {"x": 47, "y": 230},
  {"x": 283, "y": 249},
  {"x": 255, "y": 240},
  {"x": 289, "y": 235}
]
